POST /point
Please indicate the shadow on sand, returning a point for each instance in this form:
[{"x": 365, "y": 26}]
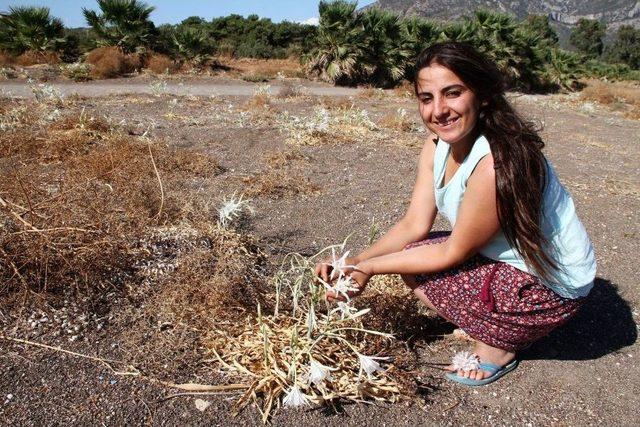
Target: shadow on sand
[{"x": 603, "y": 325}]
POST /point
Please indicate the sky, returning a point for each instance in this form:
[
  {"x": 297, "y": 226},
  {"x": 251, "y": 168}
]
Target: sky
[{"x": 174, "y": 11}]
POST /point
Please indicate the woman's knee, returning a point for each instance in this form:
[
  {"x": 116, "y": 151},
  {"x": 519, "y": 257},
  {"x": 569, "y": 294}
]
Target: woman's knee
[{"x": 410, "y": 281}]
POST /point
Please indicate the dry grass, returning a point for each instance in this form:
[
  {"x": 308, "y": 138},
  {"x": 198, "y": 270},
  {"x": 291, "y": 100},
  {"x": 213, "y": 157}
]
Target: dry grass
[
  {"x": 110, "y": 61},
  {"x": 6, "y": 59},
  {"x": 405, "y": 90},
  {"x": 34, "y": 58},
  {"x": 398, "y": 121},
  {"x": 282, "y": 177},
  {"x": 261, "y": 68},
  {"x": 327, "y": 126},
  {"x": 160, "y": 64},
  {"x": 289, "y": 90},
  {"x": 336, "y": 102},
  {"x": 609, "y": 93},
  {"x": 78, "y": 198},
  {"x": 370, "y": 93}
]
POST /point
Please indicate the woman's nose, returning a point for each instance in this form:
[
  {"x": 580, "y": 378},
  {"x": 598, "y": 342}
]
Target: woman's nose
[{"x": 440, "y": 107}]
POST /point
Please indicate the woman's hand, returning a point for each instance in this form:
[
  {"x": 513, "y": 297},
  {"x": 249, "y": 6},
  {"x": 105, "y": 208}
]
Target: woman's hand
[
  {"x": 360, "y": 276},
  {"x": 324, "y": 269}
]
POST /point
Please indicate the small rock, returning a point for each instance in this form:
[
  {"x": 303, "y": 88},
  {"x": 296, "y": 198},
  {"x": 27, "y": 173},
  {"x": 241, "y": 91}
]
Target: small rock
[{"x": 202, "y": 405}]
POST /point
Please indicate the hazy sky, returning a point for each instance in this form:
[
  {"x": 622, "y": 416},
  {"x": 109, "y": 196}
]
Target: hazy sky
[{"x": 173, "y": 11}]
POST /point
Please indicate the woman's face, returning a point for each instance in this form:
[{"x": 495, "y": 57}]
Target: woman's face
[{"x": 447, "y": 106}]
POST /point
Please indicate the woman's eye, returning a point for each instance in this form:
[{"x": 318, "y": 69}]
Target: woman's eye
[
  {"x": 425, "y": 100},
  {"x": 453, "y": 93}
]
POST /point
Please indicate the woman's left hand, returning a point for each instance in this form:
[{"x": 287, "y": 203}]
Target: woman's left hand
[{"x": 360, "y": 276}]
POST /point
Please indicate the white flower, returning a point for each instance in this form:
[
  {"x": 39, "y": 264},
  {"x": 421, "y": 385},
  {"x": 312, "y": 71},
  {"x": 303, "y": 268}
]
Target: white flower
[
  {"x": 319, "y": 372},
  {"x": 369, "y": 365},
  {"x": 343, "y": 286},
  {"x": 338, "y": 264},
  {"x": 295, "y": 398},
  {"x": 345, "y": 310},
  {"x": 232, "y": 209},
  {"x": 465, "y": 361}
]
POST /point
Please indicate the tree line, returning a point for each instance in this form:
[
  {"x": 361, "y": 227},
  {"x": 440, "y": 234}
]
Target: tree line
[{"x": 348, "y": 47}]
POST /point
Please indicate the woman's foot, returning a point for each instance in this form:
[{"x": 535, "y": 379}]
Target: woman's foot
[{"x": 486, "y": 354}]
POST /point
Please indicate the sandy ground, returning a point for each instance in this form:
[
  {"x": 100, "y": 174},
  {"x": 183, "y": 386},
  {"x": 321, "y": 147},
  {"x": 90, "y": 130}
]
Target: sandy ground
[{"x": 583, "y": 374}]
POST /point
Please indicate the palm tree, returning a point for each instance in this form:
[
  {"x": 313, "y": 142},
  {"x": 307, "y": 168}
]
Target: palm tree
[
  {"x": 387, "y": 51},
  {"x": 340, "y": 44},
  {"x": 563, "y": 69},
  {"x": 122, "y": 23},
  {"x": 30, "y": 29},
  {"x": 418, "y": 33},
  {"x": 192, "y": 44}
]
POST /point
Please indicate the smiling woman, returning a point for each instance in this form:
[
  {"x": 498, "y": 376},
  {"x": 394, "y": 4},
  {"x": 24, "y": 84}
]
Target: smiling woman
[{"x": 518, "y": 262}]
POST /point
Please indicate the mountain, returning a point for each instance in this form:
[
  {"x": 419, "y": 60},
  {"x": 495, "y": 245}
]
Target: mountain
[{"x": 563, "y": 15}]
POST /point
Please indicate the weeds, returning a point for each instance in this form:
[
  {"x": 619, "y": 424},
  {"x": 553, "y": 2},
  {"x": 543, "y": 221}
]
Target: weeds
[
  {"x": 255, "y": 78},
  {"x": 399, "y": 121},
  {"x": 79, "y": 196},
  {"x": 372, "y": 93},
  {"x": 305, "y": 351},
  {"x": 323, "y": 127},
  {"x": 160, "y": 64},
  {"x": 289, "y": 91},
  {"x": 158, "y": 88},
  {"x": 78, "y": 71},
  {"x": 44, "y": 92}
]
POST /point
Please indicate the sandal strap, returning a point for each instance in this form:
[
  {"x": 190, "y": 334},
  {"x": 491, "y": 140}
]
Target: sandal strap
[{"x": 491, "y": 368}]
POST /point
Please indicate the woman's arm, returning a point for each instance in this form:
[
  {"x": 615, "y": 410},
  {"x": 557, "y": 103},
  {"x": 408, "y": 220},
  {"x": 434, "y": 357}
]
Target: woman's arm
[
  {"x": 418, "y": 220},
  {"x": 477, "y": 222},
  {"x": 414, "y": 225}
]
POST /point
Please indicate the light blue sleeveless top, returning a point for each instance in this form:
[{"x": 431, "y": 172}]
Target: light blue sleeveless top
[{"x": 570, "y": 245}]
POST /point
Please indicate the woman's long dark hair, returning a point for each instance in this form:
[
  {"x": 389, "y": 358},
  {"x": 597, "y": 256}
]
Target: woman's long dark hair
[{"x": 515, "y": 145}]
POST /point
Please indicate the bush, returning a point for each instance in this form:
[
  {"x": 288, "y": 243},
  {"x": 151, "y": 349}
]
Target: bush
[
  {"x": 160, "y": 64},
  {"x": 78, "y": 72},
  {"x": 32, "y": 58},
  {"x": 110, "y": 61},
  {"x": 6, "y": 59}
]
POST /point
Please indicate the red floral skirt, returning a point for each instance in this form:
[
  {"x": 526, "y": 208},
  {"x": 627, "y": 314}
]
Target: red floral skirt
[{"x": 494, "y": 302}]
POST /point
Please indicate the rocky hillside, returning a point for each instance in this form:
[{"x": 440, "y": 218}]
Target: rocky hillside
[{"x": 563, "y": 14}]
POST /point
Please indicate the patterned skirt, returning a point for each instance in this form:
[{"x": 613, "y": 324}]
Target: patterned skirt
[{"x": 494, "y": 302}]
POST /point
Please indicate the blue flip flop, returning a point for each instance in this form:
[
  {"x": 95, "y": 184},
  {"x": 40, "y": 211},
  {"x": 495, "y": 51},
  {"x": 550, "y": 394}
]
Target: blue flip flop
[{"x": 495, "y": 372}]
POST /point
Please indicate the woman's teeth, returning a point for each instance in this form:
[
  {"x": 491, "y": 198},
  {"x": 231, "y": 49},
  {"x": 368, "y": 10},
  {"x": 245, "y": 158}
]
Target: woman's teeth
[{"x": 448, "y": 122}]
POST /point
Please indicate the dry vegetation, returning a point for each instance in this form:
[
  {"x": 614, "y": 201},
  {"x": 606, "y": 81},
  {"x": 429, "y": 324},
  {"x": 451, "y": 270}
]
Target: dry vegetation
[
  {"x": 621, "y": 96},
  {"x": 116, "y": 218},
  {"x": 6, "y": 59},
  {"x": 283, "y": 176},
  {"x": 33, "y": 58},
  {"x": 110, "y": 61},
  {"x": 257, "y": 70},
  {"x": 81, "y": 196},
  {"x": 96, "y": 213},
  {"x": 160, "y": 64}
]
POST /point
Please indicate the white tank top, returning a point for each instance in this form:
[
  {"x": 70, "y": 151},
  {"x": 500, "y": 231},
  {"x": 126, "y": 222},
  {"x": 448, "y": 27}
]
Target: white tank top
[{"x": 570, "y": 245}]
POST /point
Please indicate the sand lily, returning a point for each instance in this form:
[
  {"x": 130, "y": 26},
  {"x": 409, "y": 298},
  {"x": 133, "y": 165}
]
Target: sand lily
[
  {"x": 465, "y": 361},
  {"x": 319, "y": 372},
  {"x": 369, "y": 365},
  {"x": 345, "y": 310},
  {"x": 343, "y": 286},
  {"x": 338, "y": 264},
  {"x": 232, "y": 209},
  {"x": 295, "y": 397}
]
